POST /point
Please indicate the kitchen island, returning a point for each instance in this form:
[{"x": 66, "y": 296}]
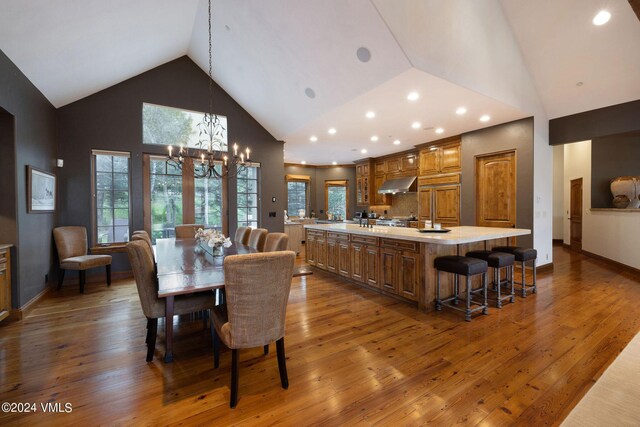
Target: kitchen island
[{"x": 397, "y": 261}]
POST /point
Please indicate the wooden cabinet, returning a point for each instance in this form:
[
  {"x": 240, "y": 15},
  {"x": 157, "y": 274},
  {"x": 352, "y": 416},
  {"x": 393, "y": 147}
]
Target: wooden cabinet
[
  {"x": 371, "y": 262},
  {"x": 380, "y": 168},
  {"x": 408, "y": 274},
  {"x": 380, "y": 199},
  {"x": 295, "y": 232},
  {"x": 388, "y": 270},
  {"x": 364, "y": 254},
  {"x": 364, "y": 181},
  {"x": 337, "y": 253},
  {"x": 356, "y": 253},
  {"x": 310, "y": 248},
  {"x": 332, "y": 256},
  {"x": 400, "y": 268},
  {"x": 316, "y": 249},
  {"x": 441, "y": 158},
  {"x": 393, "y": 165},
  {"x": 344, "y": 261},
  {"x": 409, "y": 162},
  {"x": 425, "y": 201},
  {"x": 5, "y": 282},
  {"x": 321, "y": 252},
  {"x": 440, "y": 204}
]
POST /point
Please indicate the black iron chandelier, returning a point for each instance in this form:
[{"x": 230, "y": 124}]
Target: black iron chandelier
[{"x": 211, "y": 158}]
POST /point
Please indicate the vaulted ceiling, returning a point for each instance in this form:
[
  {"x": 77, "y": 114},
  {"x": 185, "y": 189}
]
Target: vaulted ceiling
[{"x": 293, "y": 64}]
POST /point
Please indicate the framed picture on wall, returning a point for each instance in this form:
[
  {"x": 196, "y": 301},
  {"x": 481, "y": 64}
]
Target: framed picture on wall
[{"x": 41, "y": 191}]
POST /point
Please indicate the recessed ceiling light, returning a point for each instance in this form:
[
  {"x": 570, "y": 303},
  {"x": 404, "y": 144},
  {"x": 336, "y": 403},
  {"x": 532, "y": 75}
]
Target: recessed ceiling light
[
  {"x": 363, "y": 151},
  {"x": 413, "y": 96},
  {"x": 370, "y": 114},
  {"x": 310, "y": 93},
  {"x": 334, "y": 163},
  {"x": 396, "y": 142},
  {"x": 313, "y": 138},
  {"x": 601, "y": 18},
  {"x": 416, "y": 125},
  {"x": 439, "y": 130},
  {"x": 374, "y": 138},
  {"x": 332, "y": 131},
  {"x": 485, "y": 118},
  {"x": 363, "y": 54},
  {"x": 461, "y": 110},
  {"x": 303, "y": 162}
]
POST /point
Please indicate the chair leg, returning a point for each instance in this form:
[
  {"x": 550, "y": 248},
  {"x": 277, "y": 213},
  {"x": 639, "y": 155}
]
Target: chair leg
[
  {"x": 83, "y": 278},
  {"x": 485, "y": 310},
  {"x": 152, "y": 334},
  {"x": 467, "y": 315},
  {"x": 216, "y": 347},
  {"x": 266, "y": 349},
  {"x": 496, "y": 279},
  {"x": 438, "y": 303},
  {"x": 235, "y": 370},
  {"x": 282, "y": 363},
  {"x": 109, "y": 275},
  {"x": 535, "y": 287},
  {"x": 146, "y": 341},
  {"x": 61, "y": 278},
  {"x": 524, "y": 287}
]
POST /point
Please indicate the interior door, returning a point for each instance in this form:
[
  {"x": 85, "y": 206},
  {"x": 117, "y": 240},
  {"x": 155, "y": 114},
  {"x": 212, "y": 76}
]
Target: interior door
[
  {"x": 575, "y": 214},
  {"x": 496, "y": 190}
]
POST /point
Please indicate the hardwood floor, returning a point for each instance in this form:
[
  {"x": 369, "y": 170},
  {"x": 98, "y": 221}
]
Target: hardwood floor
[{"x": 353, "y": 357}]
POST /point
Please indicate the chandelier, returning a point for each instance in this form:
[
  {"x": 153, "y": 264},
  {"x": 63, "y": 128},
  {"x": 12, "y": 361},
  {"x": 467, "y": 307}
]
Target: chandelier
[{"x": 211, "y": 158}]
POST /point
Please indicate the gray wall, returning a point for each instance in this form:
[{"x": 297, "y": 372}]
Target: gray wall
[
  {"x": 516, "y": 135},
  {"x": 612, "y": 156},
  {"x": 616, "y": 119},
  {"x": 35, "y": 144},
  {"x": 318, "y": 176},
  {"x": 112, "y": 120}
]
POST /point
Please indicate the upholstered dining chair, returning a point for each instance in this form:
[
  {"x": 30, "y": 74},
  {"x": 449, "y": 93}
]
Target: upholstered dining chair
[
  {"x": 187, "y": 230},
  {"x": 141, "y": 261},
  {"x": 257, "y": 238},
  {"x": 276, "y": 242},
  {"x": 254, "y": 313},
  {"x": 242, "y": 235},
  {"x": 71, "y": 243}
]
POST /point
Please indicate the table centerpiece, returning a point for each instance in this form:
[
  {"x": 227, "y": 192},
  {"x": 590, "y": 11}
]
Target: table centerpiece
[{"x": 212, "y": 239}]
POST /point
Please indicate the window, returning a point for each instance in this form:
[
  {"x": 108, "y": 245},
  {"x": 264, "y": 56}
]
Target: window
[
  {"x": 111, "y": 196},
  {"x": 208, "y": 200},
  {"x": 166, "y": 198},
  {"x": 173, "y": 126},
  {"x": 336, "y": 196},
  {"x": 248, "y": 196},
  {"x": 298, "y": 194}
]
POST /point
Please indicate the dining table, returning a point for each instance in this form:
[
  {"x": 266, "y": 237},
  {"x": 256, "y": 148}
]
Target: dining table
[{"x": 185, "y": 266}]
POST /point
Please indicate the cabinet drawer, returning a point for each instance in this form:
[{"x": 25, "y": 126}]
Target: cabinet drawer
[
  {"x": 400, "y": 244},
  {"x": 367, "y": 240},
  {"x": 337, "y": 236},
  {"x": 440, "y": 179},
  {"x": 316, "y": 233}
]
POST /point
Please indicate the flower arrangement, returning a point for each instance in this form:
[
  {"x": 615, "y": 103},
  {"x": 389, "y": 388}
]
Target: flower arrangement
[{"x": 213, "y": 238}]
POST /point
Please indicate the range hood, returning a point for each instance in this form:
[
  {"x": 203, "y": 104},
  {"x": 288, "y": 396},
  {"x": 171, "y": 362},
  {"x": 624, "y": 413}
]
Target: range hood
[{"x": 398, "y": 185}]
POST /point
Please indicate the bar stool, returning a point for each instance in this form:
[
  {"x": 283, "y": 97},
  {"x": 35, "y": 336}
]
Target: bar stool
[
  {"x": 522, "y": 255},
  {"x": 498, "y": 260},
  {"x": 462, "y": 266}
]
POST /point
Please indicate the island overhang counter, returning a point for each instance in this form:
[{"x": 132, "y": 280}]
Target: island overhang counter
[{"x": 397, "y": 261}]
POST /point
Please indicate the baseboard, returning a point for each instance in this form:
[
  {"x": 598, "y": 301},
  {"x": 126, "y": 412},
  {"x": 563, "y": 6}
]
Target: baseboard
[
  {"x": 612, "y": 263},
  {"x": 557, "y": 242},
  {"x": 544, "y": 268},
  {"x": 22, "y": 312}
]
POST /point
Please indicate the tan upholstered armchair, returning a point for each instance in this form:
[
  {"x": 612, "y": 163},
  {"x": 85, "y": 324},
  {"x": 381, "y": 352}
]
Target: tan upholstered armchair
[
  {"x": 255, "y": 309},
  {"x": 141, "y": 260},
  {"x": 71, "y": 243},
  {"x": 184, "y": 231},
  {"x": 242, "y": 235},
  {"x": 276, "y": 242},
  {"x": 257, "y": 238}
]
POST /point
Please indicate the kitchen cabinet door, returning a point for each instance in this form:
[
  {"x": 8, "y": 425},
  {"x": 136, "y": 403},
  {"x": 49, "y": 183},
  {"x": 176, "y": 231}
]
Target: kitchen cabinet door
[
  {"x": 408, "y": 274},
  {"x": 388, "y": 270},
  {"x": 380, "y": 168},
  {"x": 310, "y": 249},
  {"x": 451, "y": 159},
  {"x": 409, "y": 163},
  {"x": 372, "y": 261},
  {"x": 357, "y": 261},
  {"x": 424, "y": 208},
  {"x": 393, "y": 165},
  {"x": 429, "y": 161},
  {"x": 447, "y": 204},
  {"x": 332, "y": 255},
  {"x": 344, "y": 259},
  {"x": 321, "y": 253}
]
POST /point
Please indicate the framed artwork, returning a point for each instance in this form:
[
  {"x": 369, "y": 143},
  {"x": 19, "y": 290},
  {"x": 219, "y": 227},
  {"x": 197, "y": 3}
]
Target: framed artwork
[{"x": 41, "y": 191}]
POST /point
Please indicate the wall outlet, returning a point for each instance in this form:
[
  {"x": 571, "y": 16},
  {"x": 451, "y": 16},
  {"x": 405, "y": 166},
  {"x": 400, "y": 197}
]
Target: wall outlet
[{"x": 272, "y": 214}]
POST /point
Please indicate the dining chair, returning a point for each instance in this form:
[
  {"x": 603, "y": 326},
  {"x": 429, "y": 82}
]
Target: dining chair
[
  {"x": 257, "y": 238},
  {"x": 187, "y": 230},
  {"x": 71, "y": 243},
  {"x": 276, "y": 242},
  {"x": 254, "y": 313},
  {"x": 141, "y": 260},
  {"x": 242, "y": 235}
]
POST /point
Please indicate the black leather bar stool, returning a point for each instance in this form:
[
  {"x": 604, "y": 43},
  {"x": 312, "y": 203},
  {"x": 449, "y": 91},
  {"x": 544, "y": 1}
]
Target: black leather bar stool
[
  {"x": 462, "y": 266},
  {"x": 498, "y": 260},
  {"x": 522, "y": 255}
]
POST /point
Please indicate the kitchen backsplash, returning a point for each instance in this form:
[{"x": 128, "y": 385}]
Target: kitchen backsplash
[{"x": 401, "y": 205}]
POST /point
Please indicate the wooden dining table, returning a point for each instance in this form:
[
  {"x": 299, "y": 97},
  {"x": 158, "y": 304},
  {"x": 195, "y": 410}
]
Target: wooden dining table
[{"x": 185, "y": 267}]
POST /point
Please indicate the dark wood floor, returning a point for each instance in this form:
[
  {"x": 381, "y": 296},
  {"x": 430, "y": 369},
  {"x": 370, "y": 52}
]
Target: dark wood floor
[{"x": 354, "y": 357}]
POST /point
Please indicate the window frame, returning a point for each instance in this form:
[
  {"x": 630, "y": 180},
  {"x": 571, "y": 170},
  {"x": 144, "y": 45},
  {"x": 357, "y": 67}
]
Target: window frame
[
  {"x": 337, "y": 183},
  {"x": 307, "y": 199},
  {"x": 94, "y": 192},
  {"x": 258, "y": 194}
]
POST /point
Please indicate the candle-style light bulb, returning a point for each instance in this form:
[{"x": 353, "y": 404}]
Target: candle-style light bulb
[
  {"x": 202, "y": 157},
  {"x": 225, "y": 160},
  {"x": 241, "y": 157},
  {"x": 248, "y": 151},
  {"x": 170, "y": 151},
  {"x": 181, "y": 148},
  {"x": 235, "y": 149}
]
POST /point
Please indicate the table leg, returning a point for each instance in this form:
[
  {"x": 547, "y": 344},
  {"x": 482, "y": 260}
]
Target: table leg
[{"x": 168, "y": 329}]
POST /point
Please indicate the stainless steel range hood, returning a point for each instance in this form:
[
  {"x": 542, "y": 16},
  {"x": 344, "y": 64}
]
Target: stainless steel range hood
[{"x": 398, "y": 185}]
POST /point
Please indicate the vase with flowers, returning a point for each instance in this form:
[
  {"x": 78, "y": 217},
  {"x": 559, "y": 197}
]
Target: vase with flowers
[{"x": 213, "y": 239}]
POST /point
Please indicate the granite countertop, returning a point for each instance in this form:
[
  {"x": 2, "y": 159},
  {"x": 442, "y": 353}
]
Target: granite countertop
[
  {"x": 5, "y": 245},
  {"x": 457, "y": 235}
]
